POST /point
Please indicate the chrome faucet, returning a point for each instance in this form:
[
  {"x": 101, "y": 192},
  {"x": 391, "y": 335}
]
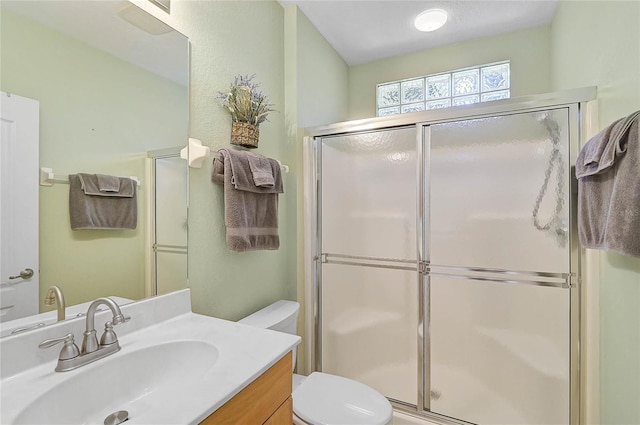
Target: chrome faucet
[
  {"x": 54, "y": 296},
  {"x": 90, "y": 340},
  {"x": 71, "y": 357}
]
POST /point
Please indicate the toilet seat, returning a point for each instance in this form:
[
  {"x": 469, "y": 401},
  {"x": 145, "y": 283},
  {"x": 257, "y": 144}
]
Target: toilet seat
[{"x": 324, "y": 399}]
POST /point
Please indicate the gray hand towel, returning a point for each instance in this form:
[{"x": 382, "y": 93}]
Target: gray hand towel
[
  {"x": 242, "y": 177},
  {"x": 260, "y": 170},
  {"x": 108, "y": 183},
  {"x": 608, "y": 172},
  {"x": 100, "y": 211},
  {"x": 89, "y": 183},
  {"x": 251, "y": 218}
]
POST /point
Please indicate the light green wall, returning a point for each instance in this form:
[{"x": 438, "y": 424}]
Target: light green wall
[
  {"x": 230, "y": 38},
  {"x": 316, "y": 82},
  {"x": 597, "y": 43},
  {"x": 323, "y": 78},
  {"x": 528, "y": 51},
  {"x": 97, "y": 114},
  {"x": 249, "y": 37}
]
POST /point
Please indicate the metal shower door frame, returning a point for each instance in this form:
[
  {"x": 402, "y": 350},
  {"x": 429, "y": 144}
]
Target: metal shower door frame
[
  {"x": 151, "y": 246},
  {"x": 576, "y": 103}
]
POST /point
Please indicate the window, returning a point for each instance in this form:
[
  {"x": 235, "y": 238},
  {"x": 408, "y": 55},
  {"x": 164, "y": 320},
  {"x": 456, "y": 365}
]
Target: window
[{"x": 458, "y": 87}]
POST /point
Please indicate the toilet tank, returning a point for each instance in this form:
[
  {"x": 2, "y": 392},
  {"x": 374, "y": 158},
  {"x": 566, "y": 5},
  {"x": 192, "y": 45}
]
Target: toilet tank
[{"x": 280, "y": 316}]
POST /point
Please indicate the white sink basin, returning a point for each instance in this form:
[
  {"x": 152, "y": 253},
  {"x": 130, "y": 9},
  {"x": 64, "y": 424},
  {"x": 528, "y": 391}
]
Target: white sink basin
[{"x": 135, "y": 381}]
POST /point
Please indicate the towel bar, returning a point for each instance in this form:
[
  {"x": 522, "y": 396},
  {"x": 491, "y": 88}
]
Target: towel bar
[
  {"x": 195, "y": 153},
  {"x": 48, "y": 178}
]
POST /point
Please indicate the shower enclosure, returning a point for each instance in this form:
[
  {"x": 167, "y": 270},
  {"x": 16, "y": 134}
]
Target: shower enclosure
[
  {"x": 445, "y": 258},
  {"x": 168, "y": 204}
]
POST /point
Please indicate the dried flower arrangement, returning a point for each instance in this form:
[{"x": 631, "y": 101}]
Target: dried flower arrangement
[
  {"x": 245, "y": 101},
  {"x": 248, "y": 107}
]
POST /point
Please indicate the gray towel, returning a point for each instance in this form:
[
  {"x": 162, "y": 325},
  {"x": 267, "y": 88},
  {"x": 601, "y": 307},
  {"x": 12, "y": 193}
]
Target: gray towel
[
  {"x": 251, "y": 218},
  {"x": 260, "y": 170},
  {"x": 90, "y": 185},
  {"x": 608, "y": 172},
  {"x": 101, "y": 211},
  {"x": 242, "y": 177},
  {"x": 108, "y": 183}
]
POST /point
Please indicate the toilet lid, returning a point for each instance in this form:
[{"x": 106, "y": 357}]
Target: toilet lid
[{"x": 323, "y": 399}]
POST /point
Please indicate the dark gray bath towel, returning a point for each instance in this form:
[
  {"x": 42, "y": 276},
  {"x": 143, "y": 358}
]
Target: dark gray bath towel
[
  {"x": 608, "y": 172},
  {"x": 101, "y": 210},
  {"x": 250, "y": 216}
]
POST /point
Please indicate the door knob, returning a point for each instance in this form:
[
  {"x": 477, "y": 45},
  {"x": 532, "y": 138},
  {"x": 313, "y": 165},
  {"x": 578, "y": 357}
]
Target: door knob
[{"x": 24, "y": 274}]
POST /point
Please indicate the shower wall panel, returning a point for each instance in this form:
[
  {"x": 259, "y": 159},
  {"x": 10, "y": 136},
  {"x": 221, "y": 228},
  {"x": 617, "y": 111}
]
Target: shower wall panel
[
  {"x": 499, "y": 352},
  {"x": 370, "y": 324},
  {"x": 369, "y": 252},
  {"x": 369, "y": 194},
  {"x": 486, "y": 178},
  {"x": 499, "y": 259}
]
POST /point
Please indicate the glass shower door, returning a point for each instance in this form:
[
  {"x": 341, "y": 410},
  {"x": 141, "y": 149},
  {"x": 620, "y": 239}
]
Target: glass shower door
[
  {"x": 499, "y": 264},
  {"x": 170, "y": 246},
  {"x": 369, "y": 278}
]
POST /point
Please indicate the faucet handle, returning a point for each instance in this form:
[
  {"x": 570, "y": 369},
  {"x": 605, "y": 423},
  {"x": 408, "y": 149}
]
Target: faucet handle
[
  {"x": 69, "y": 350},
  {"x": 120, "y": 319},
  {"x": 109, "y": 336}
]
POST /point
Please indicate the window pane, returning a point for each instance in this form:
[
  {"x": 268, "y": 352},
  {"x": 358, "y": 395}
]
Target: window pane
[
  {"x": 466, "y": 82},
  {"x": 388, "y": 111},
  {"x": 496, "y": 95},
  {"x": 388, "y": 95},
  {"x": 438, "y": 86},
  {"x": 495, "y": 77},
  {"x": 413, "y": 91},
  {"x": 413, "y": 107},
  {"x": 439, "y": 104},
  {"x": 466, "y": 100},
  {"x": 454, "y": 88}
]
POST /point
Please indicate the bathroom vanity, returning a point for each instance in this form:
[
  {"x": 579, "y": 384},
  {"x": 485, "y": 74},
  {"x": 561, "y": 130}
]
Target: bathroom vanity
[
  {"x": 267, "y": 400},
  {"x": 174, "y": 366}
]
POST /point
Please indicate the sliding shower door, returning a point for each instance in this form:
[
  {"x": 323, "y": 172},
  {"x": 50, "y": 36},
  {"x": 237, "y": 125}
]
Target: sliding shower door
[
  {"x": 447, "y": 260},
  {"x": 499, "y": 265},
  {"x": 369, "y": 259},
  {"x": 170, "y": 218}
]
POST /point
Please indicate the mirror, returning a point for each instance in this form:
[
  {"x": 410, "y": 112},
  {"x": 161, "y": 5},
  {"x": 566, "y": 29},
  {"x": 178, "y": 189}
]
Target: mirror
[{"x": 112, "y": 99}]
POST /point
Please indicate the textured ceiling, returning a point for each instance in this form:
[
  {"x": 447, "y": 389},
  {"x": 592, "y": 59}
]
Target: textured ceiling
[
  {"x": 360, "y": 31},
  {"x": 363, "y": 31}
]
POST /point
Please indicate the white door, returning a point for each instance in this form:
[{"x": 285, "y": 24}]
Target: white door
[{"x": 19, "y": 147}]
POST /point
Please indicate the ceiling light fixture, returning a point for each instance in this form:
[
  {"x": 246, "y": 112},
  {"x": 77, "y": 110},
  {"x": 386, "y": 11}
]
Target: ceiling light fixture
[{"x": 431, "y": 20}]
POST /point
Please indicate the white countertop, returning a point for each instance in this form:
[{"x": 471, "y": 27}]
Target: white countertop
[{"x": 244, "y": 353}]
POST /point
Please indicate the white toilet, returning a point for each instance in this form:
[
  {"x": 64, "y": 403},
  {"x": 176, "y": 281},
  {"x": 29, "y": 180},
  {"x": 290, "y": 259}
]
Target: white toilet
[{"x": 320, "y": 398}]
